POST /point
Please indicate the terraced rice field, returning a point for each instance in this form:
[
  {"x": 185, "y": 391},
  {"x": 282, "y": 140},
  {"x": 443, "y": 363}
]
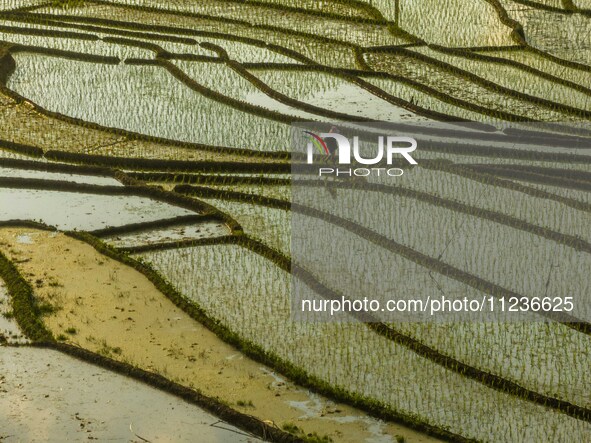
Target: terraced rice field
[{"x": 153, "y": 232}]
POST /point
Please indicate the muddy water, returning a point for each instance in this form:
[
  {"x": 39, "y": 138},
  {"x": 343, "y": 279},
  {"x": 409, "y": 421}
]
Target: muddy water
[
  {"x": 9, "y": 329},
  {"x": 51, "y": 397},
  {"x": 172, "y": 234},
  {"x": 73, "y": 178},
  {"x": 117, "y": 312},
  {"x": 71, "y": 210}
]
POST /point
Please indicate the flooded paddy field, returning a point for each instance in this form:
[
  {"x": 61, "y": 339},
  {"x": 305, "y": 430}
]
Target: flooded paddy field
[
  {"x": 152, "y": 220},
  {"x": 38, "y": 381},
  {"x": 99, "y": 304}
]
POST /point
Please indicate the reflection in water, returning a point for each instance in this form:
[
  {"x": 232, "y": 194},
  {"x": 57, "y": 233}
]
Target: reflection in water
[{"x": 333, "y": 93}]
